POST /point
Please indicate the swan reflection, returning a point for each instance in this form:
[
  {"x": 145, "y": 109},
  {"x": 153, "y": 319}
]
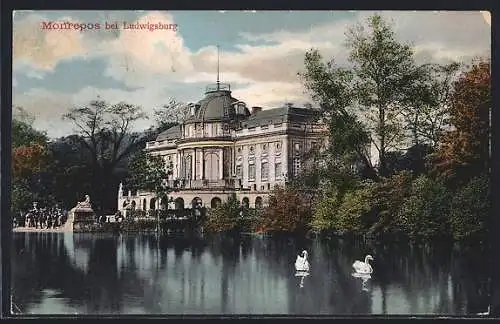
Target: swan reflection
[
  {"x": 302, "y": 275},
  {"x": 364, "y": 280}
]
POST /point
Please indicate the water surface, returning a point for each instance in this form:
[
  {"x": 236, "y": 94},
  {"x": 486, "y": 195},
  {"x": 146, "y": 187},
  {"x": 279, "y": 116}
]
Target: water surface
[{"x": 66, "y": 273}]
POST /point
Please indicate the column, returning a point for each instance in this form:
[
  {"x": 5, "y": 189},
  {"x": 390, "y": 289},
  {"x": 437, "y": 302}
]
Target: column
[
  {"x": 193, "y": 166},
  {"x": 221, "y": 164},
  {"x": 203, "y": 164},
  {"x": 284, "y": 157},
  {"x": 195, "y": 157}
]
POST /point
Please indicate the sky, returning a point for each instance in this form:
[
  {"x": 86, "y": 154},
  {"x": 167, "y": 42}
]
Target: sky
[{"x": 261, "y": 53}]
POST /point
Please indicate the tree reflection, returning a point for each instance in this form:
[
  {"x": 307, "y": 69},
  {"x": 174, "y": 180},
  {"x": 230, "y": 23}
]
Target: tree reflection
[{"x": 151, "y": 274}]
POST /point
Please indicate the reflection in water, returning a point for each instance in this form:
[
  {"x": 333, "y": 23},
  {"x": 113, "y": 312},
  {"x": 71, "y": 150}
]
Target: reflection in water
[
  {"x": 65, "y": 273},
  {"x": 301, "y": 275},
  {"x": 364, "y": 280}
]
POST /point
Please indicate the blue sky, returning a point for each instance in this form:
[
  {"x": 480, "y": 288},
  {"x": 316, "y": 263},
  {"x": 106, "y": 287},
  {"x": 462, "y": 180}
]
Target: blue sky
[{"x": 261, "y": 53}]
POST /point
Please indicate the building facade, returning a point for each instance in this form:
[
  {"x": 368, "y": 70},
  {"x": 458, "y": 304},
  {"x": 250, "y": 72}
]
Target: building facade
[{"x": 223, "y": 147}]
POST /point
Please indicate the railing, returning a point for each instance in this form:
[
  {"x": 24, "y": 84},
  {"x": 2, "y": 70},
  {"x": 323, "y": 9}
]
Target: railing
[{"x": 204, "y": 184}]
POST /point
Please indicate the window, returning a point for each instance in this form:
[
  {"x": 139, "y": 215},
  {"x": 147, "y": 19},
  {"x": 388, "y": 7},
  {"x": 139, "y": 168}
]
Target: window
[
  {"x": 251, "y": 149},
  {"x": 297, "y": 146},
  {"x": 264, "y": 147},
  {"x": 278, "y": 146},
  {"x": 251, "y": 170},
  {"x": 264, "y": 170},
  {"x": 239, "y": 172},
  {"x": 296, "y": 166},
  {"x": 277, "y": 169},
  {"x": 239, "y": 150}
]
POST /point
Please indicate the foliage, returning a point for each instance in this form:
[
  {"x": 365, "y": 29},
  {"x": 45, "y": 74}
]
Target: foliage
[
  {"x": 23, "y": 133},
  {"x": 387, "y": 198},
  {"x": 149, "y": 172},
  {"x": 288, "y": 211},
  {"x": 470, "y": 208},
  {"x": 424, "y": 214},
  {"x": 325, "y": 212},
  {"x": 424, "y": 114},
  {"x": 354, "y": 207},
  {"x": 106, "y": 134},
  {"x": 363, "y": 104},
  {"x": 224, "y": 218},
  {"x": 465, "y": 148},
  {"x": 171, "y": 114},
  {"x": 28, "y": 160}
]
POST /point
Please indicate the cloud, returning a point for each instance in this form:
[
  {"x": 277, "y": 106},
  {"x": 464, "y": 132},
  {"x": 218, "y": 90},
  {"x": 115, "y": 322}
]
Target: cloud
[
  {"x": 262, "y": 66},
  {"x": 43, "y": 49}
]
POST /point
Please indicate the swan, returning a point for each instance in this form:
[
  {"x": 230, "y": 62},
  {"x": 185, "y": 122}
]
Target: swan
[
  {"x": 363, "y": 267},
  {"x": 301, "y": 264}
]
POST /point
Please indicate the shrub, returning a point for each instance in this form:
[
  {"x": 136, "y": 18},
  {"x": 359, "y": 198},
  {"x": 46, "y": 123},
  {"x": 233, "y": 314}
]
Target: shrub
[
  {"x": 424, "y": 214},
  {"x": 289, "y": 210},
  {"x": 355, "y": 206},
  {"x": 470, "y": 208},
  {"x": 224, "y": 217}
]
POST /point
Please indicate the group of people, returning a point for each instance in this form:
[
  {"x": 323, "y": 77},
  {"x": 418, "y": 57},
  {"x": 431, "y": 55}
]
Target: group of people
[{"x": 42, "y": 218}]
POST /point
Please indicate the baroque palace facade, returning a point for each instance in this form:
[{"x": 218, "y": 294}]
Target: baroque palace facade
[{"x": 222, "y": 147}]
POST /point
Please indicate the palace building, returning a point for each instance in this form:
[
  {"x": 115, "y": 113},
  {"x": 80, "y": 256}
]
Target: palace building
[{"x": 223, "y": 147}]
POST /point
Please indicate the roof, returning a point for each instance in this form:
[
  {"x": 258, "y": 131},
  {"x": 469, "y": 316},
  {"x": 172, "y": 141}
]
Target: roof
[
  {"x": 173, "y": 132},
  {"x": 280, "y": 115},
  {"x": 216, "y": 106}
]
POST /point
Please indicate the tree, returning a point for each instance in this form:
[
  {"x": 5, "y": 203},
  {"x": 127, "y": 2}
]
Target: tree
[
  {"x": 362, "y": 103},
  {"x": 28, "y": 160},
  {"x": 106, "y": 133},
  {"x": 149, "y": 172},
  {"x": 465, "y": 148},
  {"x": 171, "y": 114},
  {"x": 383, "y": 71},
  {"x": 427, "y": 107},
  {"x": 224, "y": 218},
  {"x": 288, "y": 211},
  {"x": 23, "y": 132}
]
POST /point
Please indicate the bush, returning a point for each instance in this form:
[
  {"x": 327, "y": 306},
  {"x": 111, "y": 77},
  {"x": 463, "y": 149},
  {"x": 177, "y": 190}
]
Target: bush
[
  {"x": 289, "y": 210},
  {"x": 355, "y": 206},
  {"x": 470, "y": 208},
  {"x": 424, "y": 214},
  {"x": 325, "y": 211},
  {"x": 224, "y": 218}
]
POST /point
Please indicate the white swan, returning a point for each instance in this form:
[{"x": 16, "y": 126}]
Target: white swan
[
  {"x": 301, "y": 264},
  {"x": 363, "y": 267}
]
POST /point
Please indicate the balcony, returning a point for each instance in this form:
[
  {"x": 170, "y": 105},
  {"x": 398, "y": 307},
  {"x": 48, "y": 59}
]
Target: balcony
[{"x": 222, "y": 184}]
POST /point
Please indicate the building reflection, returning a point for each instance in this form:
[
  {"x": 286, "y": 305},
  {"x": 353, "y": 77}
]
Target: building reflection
[{"x": 147, "y": 274}]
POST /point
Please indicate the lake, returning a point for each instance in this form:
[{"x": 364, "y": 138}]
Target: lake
[{"x": 66, "y": 273}]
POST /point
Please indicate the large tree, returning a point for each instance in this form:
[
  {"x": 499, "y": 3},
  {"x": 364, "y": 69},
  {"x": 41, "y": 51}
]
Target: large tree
[
  {"x": 29, "y": 160},
  {"x": 465, "y": 148},
  {"x": 149, "y": 172},
  {"x": 172, "y": 113},
  {"x": 106, "y": 133},
  {"x": 363, "y": 102}
]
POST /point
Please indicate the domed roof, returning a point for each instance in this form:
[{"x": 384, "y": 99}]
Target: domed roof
[{"x": 218, "y": 105}]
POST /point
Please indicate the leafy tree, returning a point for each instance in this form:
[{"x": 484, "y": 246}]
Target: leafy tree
[
  {"x": 470, "y": 209},
  {"x": 465, "y": 148},
  {"x": 383, "y": 71},
  {"x": 288, "y": 211},
  {"x": 426, "y": 110},
  {"x": 424, "y": 213},
  {"x": 362, "y": 103},
  {"x": 27, "y": 160},
  {"x": 23, "y": 132},
  {"x": 171, "y": 114},
  {"x": 106, "y": 134},
  {"x": 224, "y": 218},
  {"x": 149, "y": 172}
]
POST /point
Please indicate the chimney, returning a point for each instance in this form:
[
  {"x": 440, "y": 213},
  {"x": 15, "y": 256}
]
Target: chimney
[
  {"x": 256, "y": 109},
  {"x": 289, "y": 104}
]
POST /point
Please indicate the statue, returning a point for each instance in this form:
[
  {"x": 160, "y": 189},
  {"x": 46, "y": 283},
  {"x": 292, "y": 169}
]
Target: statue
[
  {"x": 120, "y": 189},
  {"x": 84, "y": 204}
]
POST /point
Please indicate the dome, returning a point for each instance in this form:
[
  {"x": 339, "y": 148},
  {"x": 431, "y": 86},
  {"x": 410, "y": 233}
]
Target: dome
[{"x": 218, "y": 105}]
